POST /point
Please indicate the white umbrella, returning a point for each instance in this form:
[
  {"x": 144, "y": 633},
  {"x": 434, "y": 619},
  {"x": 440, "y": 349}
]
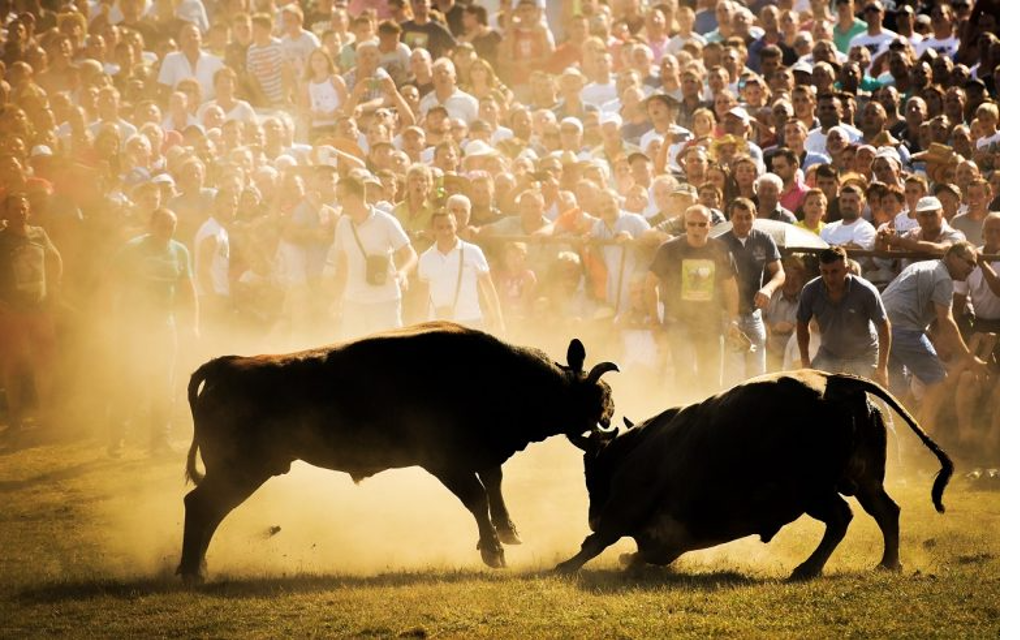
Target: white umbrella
[{"x": 786, "y": 235}]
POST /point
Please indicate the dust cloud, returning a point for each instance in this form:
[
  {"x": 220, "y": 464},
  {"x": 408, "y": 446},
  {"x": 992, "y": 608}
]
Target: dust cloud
[{"x": 315, "y": 521}]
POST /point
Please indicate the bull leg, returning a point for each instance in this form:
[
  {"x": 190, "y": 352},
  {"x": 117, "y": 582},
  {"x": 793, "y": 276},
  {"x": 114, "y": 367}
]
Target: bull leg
[
  {"x": 592, "y": 546},
  {"x": 492, "y": 479},
  {"x": 836, "y": 514},
  {"x": 204, "y": 510},
  {"x": 466, "y": 486},
  {"x": 887, "y": 513}
]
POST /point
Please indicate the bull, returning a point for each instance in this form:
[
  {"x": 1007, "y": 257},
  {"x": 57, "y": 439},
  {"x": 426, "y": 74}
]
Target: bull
[
  {"x": 454, "y": 401},
  {"x": 747, "y": 462}
]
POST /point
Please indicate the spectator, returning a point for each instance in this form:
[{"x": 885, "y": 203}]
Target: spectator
[
  {"x": 30, "y": 275},
  {"x": 759, "y": 276},
  {"x": 457, "y": 275},
  {"x": 152, "y": 278},
  {"x": 372, "y": 259},
  {"x": 190, "y": 62},
  {"x": 853, "y": 231},
  {"x": 425, "y": 33},
  {"x": 855, "y": 330},
  {"x": 694, "y": 277},
  {"x": 922, "y": 295},
  {"x": 768, "y": 188}
]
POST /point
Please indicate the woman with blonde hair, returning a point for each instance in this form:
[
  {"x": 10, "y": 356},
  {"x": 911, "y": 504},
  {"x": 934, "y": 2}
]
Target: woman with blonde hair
[
  {"x": 745, "y": 174},
  {"x": 481, "y": 80},
  {"x": 703, "y": 126},
  {"x": 813, "y": 208},
  {"x": 322, "y": 95}
]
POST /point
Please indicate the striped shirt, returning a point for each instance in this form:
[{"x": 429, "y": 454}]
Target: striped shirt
[{"x": 265, "y": 64}]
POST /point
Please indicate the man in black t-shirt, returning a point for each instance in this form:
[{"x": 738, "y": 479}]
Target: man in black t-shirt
[
  {"x": 693, "y": 276},
  {"x": 424, "y": 32}
]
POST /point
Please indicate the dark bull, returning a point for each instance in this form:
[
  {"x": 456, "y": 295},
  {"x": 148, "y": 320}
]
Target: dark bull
[{"x": 454, "y": 401}]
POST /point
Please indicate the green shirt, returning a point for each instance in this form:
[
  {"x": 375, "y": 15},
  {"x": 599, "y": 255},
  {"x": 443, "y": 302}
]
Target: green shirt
[
  {"x": 842, "y": 38},
  {"x": 150, "y": 272},
  {"x": 23, "y": 267}
]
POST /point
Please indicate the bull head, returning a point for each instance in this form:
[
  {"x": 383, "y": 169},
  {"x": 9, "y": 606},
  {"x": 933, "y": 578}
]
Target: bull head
[{"x": 592, "y": 443}]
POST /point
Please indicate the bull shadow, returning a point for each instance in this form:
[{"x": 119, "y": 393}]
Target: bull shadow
[
  {"x": 596, "y": 581},
  {"x": 618, "y": 581},
  {"x": 244, "y": 587}
]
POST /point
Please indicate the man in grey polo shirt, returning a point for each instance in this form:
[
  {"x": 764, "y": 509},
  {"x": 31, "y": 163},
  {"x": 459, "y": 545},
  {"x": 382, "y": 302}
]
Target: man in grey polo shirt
[
  {"x": 759, "y": 276},
  {"x": 920, "y": 295},
  {"x": 855, "y": 328}
]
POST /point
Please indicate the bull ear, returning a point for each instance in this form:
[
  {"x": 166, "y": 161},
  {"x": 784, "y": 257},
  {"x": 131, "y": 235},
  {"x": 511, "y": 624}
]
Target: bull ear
[
  {"x": 575, "y": 356},
  {"x": 626, "y": 421},
  {"x": 601, "y": 368}
]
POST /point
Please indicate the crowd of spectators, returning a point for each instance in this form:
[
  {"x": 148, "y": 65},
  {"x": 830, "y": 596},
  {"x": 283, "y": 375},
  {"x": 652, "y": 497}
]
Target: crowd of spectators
[{"x": 182, "y": 178}]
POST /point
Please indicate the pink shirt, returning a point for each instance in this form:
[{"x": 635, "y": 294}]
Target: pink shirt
[
  {"x": 793, "y": 197},
  {"x": 382, "y": 9}
]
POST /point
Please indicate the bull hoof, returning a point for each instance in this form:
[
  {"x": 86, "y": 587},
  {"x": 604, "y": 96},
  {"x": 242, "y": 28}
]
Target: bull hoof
[
  {"x": 493, "y": 556},
  {"x": 804, "y": 573},
  {"x": 192, "y": 577},
  {"x": 894, "y": 567},
  {"x": 567, "y": 568},
  {"x": 508, "y": 534}
]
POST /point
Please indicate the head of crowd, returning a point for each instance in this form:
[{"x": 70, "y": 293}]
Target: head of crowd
[{"x": 320, "y": 169}]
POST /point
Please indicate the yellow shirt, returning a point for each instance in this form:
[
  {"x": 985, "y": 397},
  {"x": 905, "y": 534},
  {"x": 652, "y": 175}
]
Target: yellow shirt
[{"x": 817, "y": 230}]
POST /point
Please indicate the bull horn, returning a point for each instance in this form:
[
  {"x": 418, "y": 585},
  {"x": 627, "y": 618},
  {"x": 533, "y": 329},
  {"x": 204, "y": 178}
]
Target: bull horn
[
  {"x": 626, "y": 421},
  {"x": 580, "y": 442},
  {"x": 601, "y": 368}
]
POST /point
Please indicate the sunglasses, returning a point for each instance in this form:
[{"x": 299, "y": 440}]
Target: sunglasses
[
  {"x": 697, "y": 224},
  {"x": 872, "y": 9}
]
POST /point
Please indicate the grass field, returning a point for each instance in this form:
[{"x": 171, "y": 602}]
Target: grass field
[{"x": 90, "y": 545}]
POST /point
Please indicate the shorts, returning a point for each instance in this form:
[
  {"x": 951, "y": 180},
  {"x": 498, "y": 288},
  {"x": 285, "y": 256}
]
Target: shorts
[{"x": 913, "y": 349}]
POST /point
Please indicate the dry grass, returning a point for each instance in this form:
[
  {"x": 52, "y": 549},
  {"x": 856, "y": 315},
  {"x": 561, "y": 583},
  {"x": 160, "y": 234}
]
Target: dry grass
[{"x": 90, "y": 545}]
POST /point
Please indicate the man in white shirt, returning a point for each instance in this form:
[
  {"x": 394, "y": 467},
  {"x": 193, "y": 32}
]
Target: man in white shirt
[
  {"x": 853, "y": 230},
  {"x": 457, "y": 103},
  {"x": 190, "y": 62},
  {"x": 457, "y": 275},
  {"x": 602, "y": 88},
  {"x": 876, "y": 39},
  {"x": 371, "y": 257},
  {"x": 212, "y": 263}
]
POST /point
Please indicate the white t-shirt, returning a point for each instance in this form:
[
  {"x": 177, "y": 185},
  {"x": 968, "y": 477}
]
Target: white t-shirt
[
  {"x": 945, "y": 46},
  {"x": 219, "y": 267},
  {"x": 242, "y": 111},
  {"x": 380, "y": 234},
  {"x": 459, "y": 105},
  {"x": 860, "y": 232},
  {"x": 986, "y": 303},
  {"x": 439, "y": 271},
  {"x": 176, "y": 67},
  {"x": 874, "y": 44}
]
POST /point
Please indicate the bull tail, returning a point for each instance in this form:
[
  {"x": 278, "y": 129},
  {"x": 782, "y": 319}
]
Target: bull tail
[
  {"x": 942, "y": 478},
  {"x": 201, "y": 375}
]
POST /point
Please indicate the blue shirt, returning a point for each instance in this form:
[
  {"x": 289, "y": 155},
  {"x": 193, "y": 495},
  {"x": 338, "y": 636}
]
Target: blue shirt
[
  {"x": 848, "y": 326},
  {"x": 751, "y": 257}
]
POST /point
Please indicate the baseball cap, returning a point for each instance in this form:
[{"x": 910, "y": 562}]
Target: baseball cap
[{"x": 928, "y": 203}]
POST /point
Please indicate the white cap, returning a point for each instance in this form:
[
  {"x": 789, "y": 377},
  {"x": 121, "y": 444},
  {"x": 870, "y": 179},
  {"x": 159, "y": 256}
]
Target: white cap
[
  {"x": 40, "y": 150},
  {"x": 928, "y": 203},
  {"x": 163, "y": 178},
  {"x": 606, "y": 117},
  {"x": 890, "y": 153},
  {"x": 574, "y": 121},
  {"x": 739, "y": 112},
  {"x": 477, "y": 148}
]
